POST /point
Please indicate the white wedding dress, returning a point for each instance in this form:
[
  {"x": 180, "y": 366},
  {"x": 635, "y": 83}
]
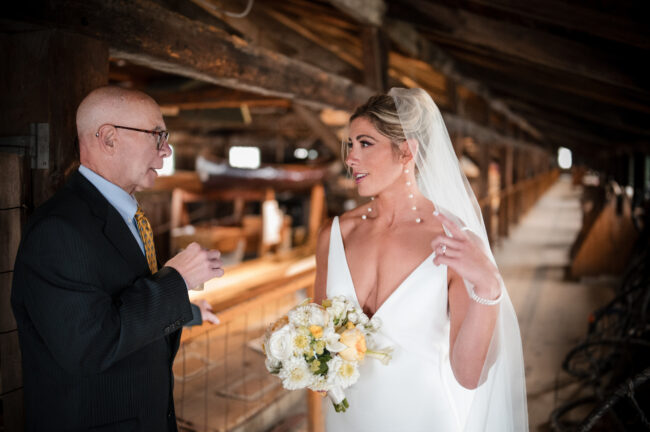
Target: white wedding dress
[{"x": 417, "y": 390}]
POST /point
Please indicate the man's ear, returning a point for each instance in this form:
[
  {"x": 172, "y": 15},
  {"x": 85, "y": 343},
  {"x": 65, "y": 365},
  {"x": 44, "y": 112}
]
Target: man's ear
[{"x": 107, "y": 137}]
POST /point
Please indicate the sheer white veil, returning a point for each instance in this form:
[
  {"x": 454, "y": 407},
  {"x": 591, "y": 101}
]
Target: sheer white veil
[{"x": 499, "y": 403}]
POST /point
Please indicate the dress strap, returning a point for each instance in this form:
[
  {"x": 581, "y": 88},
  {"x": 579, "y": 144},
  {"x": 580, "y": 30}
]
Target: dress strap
[{"x": 339, "y": 281}]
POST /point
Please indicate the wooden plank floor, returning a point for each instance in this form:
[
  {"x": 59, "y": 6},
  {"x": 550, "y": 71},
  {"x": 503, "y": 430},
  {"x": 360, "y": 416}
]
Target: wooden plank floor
[{"x": 552, "y": 312}]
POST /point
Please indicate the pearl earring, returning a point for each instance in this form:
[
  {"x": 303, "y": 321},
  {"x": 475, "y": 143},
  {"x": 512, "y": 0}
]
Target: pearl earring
[{"x": 412, "y": 196}]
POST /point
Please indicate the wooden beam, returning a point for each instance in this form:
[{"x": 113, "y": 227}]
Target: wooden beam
[
  {"x": 313, "y": 121},
  {"x": 461, "y": 126},
  {"x": 145, "y": 33},
  {"x": 607, "y": 24},
  {"x": 482, "y": 60},
  {"x": 565, "y": 103},
  {"x": 370, "y": 12},
  {"x": 262, "y": 30},
  {"x": 462, "y": 27},
  {"x": 212, "y": 97},
  {"x": 375, "y": 58},
  {"x": 352, "y": 55},
  {"x": 407, "y": 38}
]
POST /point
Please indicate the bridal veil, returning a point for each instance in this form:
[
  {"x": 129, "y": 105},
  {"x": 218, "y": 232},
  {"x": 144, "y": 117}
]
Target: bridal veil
[{"x": 499, "y": 402}]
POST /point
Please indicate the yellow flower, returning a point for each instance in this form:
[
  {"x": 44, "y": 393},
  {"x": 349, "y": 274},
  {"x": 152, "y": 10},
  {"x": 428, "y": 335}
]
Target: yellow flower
[
  {"x": 315, "y": 365},
  {"x": 316, "y": 331},
  {"x": 347, "y": 370},
  {"x": 301, "y": 342},
  {"x": 355, "y": 341},
  {"x": 350, "y": 325},
  {"x": 326, "y": 303},
  {"x": 319, "y": 347}
]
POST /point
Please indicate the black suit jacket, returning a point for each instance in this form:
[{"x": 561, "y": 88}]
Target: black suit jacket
[{"x": 98, "y": 332}]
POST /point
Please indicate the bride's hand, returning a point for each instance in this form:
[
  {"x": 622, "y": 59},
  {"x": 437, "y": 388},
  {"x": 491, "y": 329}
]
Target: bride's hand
[{"x": 465, "y": 254}]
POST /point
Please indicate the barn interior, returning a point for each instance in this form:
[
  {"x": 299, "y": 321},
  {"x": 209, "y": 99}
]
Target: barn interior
[{"x": 257, "y": 95}]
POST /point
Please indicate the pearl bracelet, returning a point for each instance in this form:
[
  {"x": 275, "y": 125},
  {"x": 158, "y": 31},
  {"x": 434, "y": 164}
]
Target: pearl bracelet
[{"x": 481, "y": 300}]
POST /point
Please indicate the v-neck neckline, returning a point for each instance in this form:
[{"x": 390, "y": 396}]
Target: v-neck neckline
[{"x": 354, "y": 289}]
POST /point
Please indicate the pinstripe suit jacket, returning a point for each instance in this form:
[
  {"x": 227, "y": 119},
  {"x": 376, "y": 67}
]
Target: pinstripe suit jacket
[{"x": 98, "y": 332}]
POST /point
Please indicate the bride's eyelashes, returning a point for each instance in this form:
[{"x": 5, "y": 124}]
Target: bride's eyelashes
[{"x": 363, "y": 144}]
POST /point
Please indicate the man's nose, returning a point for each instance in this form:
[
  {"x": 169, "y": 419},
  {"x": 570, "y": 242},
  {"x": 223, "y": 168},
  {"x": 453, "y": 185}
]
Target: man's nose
[{"x": 166, "y": 150}]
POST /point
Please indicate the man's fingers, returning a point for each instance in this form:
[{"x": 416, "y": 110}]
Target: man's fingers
[
  {"x": 213, "y": 254},
  {"x": 210, "y": 317}
]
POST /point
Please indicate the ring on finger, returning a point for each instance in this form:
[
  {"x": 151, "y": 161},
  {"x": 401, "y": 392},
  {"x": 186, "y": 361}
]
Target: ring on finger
[{"x": 443, "y": 248}]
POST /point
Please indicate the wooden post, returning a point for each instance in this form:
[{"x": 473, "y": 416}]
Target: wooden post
[
  {"x": 316, "y": 211},
  {"x": 11, "y": 215},
  {"x": 375, "y": 58},
  {"x": 508, "y": 167},
  {"x": 269, "y": 195},
  {"x": 315, "y": 408},
  {"x": 43, "y": 77},
  {"x": 483, "y": 188}
]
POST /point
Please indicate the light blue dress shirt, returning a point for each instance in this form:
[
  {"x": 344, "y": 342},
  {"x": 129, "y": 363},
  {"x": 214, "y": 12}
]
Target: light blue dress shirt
[{"x": 125, "y": 203}]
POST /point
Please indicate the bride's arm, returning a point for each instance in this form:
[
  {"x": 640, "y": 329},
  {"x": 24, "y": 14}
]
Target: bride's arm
[
  {"x": 322, "y": 252},
  {"x": 471, "y": 328},
  {"x": 472, "y": 324}
]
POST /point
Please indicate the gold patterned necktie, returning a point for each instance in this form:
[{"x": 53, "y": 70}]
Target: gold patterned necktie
[{"x": 146, "y": 234}]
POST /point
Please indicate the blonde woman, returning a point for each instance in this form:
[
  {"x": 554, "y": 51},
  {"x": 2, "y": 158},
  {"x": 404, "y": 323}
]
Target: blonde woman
[{"x": 417, "y": 257}]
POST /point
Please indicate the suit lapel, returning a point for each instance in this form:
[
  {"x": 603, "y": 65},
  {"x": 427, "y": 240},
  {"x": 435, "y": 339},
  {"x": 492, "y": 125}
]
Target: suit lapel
[
  {"x": 119, "y": 234},
  {"x": 115, "y": 229}
]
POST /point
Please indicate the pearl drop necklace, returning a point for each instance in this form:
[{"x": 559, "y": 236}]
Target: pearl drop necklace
[{"x": 410, "y": 195}]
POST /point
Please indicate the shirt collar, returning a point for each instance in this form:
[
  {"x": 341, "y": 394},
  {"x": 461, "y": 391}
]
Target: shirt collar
[{"x": 124, "y": 203}]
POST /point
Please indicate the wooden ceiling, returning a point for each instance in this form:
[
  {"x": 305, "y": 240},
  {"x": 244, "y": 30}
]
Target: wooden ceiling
[{"x": 543, "y": 73}]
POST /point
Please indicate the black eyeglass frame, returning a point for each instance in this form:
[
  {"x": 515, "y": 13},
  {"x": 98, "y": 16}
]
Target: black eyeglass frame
[{"x": 161, "y": 136}]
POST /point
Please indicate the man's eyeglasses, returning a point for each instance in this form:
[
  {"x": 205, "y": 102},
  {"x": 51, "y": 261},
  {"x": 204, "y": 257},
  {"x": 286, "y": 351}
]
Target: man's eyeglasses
[{"x": 162, "y": 137}]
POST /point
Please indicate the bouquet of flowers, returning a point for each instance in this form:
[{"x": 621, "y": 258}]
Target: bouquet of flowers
[{"x": 320, "y": 347}]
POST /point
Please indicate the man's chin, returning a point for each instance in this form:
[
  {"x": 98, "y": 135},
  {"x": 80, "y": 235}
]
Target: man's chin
[{"x": 147, "y": 182}]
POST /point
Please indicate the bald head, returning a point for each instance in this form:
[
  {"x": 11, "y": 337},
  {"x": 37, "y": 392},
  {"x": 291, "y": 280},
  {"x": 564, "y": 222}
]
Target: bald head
[
  {"x": 108, "y": 143},
  {"x": 109, "y": 105}
]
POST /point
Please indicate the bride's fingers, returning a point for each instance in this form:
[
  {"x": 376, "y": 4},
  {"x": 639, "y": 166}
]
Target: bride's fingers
[
  {"x": 455, "y": 230},
  {"x": 443, "y": 260},
  {"x": 448, "y": 251},
  {"x": 449, "y": 241}
]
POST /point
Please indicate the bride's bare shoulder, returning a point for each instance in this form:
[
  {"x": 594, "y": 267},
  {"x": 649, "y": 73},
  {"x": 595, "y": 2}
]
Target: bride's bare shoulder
[{"x": 349, "y": 220}]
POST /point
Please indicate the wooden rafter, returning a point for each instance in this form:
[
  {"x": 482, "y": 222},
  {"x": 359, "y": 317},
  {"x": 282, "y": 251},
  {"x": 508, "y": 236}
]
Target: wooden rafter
[
  {"x": 576, "y": 17},
  {"x": 454, "y": 26},
  {"x": 370, "y": 12},
  {"x": 146, "y": 33},
  {"x": 411, "y": 42}
]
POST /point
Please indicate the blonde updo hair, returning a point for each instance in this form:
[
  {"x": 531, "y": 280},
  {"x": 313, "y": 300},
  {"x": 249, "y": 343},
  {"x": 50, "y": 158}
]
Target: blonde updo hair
[{"x": 381, "y": 111}]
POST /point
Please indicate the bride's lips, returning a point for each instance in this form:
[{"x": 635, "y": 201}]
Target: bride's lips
[{"x": 358, "y": 177}]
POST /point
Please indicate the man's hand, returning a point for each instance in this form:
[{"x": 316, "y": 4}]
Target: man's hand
[
  {"x": 206, "y": 312},
  {"x": 197, "y": 265}
]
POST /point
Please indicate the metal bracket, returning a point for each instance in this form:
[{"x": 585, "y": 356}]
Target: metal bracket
[{"x": 36, "y": 145}]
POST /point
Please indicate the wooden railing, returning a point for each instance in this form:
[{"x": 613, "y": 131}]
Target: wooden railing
[
  {"x": 514, "y": 202},
  {"x": 221, "y": 383}
]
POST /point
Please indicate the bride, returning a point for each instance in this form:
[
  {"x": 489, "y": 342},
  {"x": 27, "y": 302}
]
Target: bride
[{"x": 417, "y": 257}]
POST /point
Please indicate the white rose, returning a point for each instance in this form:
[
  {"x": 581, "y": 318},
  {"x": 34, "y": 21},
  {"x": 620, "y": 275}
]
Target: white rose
[
  {"x": 307, "y": 315},
  {"x": 280, "y": 345},
  {"x": 337, "y": 309}
]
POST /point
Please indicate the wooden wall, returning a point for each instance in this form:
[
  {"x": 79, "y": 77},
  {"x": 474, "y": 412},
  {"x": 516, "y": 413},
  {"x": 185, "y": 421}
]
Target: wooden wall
[{"x": 44, "y": 76}]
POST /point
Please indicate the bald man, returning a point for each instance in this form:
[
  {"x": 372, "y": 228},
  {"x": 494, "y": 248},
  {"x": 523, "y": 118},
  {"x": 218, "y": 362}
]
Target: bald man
[{"x": 99, "y": 323}]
